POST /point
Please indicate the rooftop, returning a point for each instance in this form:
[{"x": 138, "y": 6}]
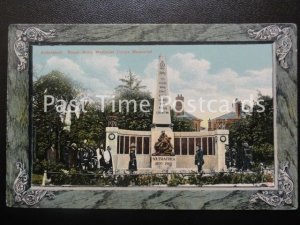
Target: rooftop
[
  {"x": 188, "y": 116},
  {"x": 231, "y": 115}
]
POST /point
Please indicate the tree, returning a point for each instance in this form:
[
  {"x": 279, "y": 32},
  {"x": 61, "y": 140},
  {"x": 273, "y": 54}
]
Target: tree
[
  {"x": 130, "y": 83},
  {"x": 132, "y": 118},
  {"x": 256, "y": 128},
  {"x": 48, "y": 125},
  {"x": 90, "y": 126}
]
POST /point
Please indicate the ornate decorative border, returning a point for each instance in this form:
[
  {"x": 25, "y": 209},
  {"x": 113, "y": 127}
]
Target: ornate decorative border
[
  {"x": 281, "y": 36},
  {"x": 22, "y": 192},
  {"x": 23, "y": 37},
  {"x": 19, "y": 191},
  {"x": 285, "y": 190}
]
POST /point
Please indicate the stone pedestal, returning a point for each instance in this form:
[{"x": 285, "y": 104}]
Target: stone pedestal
[{"x": 163, "y": 162}]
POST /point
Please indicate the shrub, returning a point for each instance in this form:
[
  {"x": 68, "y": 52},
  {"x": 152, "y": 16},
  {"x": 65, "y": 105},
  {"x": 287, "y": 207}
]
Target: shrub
[
  {"x": 36, "y": 179},
  {"x": 74, "y": 177},
  {"x": 40, "y": 166},
  {"x": 176, "y": 179},
  {"x": 268, "y": 177}
]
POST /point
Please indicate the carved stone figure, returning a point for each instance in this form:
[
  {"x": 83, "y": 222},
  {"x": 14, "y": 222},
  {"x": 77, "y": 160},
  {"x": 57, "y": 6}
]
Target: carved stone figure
[{"x": 163, "y": 146}]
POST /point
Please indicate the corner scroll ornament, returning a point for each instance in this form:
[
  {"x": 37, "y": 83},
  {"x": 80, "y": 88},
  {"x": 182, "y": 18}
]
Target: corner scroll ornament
[
  {"x": 283, "y": 195},
  {"x": 281, "y": 37},
  {"x": 25, "y": 195},
  {"x": 23, "y": 37}
]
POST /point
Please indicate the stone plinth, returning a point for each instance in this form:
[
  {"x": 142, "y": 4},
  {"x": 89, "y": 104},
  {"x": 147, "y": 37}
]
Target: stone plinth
[{"x": 163, "y": 162}]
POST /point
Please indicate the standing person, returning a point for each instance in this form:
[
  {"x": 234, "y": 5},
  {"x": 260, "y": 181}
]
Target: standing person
[
  {"x": 85, "y": 160},
  {"x": 73, "y": 155},
  {"x": 84, "y": 156},
  {"x": 92, "y": 158},
  {"x": 247, "y": 157},
  {"x": 132, "y": 165},
  {"x": 199, "y": 158},
  {"x": 51, "y": 154},
  {"x": 107, "y": 159},
  {"x": 100, "y": 160},
  {"x": 66, "y": 154}
]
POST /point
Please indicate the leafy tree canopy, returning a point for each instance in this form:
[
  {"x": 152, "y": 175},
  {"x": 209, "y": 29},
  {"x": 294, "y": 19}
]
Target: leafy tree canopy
[
  {"x": 48, "y": 125},
  {"x": 256, "y": 128},
  {"x": 130, "y": 116}
]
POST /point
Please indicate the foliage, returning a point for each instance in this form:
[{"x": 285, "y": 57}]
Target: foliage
[
  {"x": 40, "y": 166},
  {"x": 256, "y": 128},
  {"x": 48, "y": 126},
  {"x": 132, "y": 118},
  {"x": 176, "y": 179},
  {"x": 36, "y": 179},
  {"x": 263, "y": 152},
  {"x": 130, "y": 83},
  {"x": 90, "y": 126},
  {"x": 72, "y": 177}
]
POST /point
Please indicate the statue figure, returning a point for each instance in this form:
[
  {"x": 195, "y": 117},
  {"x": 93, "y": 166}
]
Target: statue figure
[
  {"x": 199, "y": 157},
  {"x": 132, "y": 165},
  {"x": 163, "y": 146}
]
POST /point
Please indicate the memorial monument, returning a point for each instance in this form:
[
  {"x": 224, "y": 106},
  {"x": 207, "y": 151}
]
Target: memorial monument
[
  {"x": 161, "y": 149},
  {"x": 162, "y": 136}
]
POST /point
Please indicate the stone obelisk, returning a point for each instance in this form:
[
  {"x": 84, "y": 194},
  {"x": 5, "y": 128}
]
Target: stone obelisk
[
  {"x": 162, "y": 119},
  {"x": 161, "y": 113}
]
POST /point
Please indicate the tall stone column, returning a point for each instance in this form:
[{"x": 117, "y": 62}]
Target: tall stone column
[{"x": 161, "y": 113}]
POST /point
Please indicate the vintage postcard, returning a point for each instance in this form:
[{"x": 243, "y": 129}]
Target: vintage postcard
[{"x": 148, "y": 117}]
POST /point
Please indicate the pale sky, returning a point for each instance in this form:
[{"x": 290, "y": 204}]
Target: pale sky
[{"x": 215, "y": 71}]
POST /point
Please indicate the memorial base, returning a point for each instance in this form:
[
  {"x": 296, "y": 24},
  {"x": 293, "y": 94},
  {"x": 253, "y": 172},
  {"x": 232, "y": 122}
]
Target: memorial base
[{"x": 163, "y": 162}]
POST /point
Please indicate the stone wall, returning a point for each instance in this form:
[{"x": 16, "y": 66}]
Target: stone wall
[{"x": 214, "y": 162}]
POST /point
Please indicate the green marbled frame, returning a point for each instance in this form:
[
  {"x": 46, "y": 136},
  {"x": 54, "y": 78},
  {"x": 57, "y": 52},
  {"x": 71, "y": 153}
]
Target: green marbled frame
[{"x": 283, "y": 196}]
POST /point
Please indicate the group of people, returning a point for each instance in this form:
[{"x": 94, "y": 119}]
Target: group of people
[
  {"x": 84, "y": 158},
  {"x": 89, "y": 158},
  {"x": 239, "y": 156}
]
